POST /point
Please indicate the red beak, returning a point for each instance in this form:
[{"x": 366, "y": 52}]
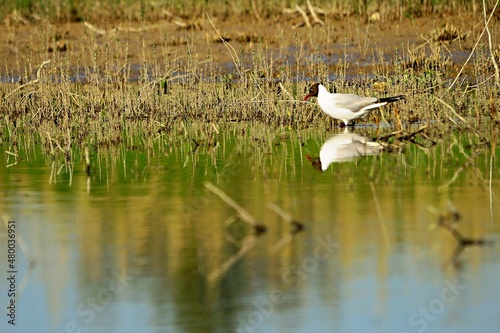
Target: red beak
[{"x": 307, "y": 96}]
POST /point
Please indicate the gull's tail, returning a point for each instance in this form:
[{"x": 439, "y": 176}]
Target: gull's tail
[{"x": 390, "y": 99}]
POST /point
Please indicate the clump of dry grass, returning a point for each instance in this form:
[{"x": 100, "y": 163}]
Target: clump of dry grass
[
  {"x": 432, "y": 58},
  {"x": 448, "y": 33}
]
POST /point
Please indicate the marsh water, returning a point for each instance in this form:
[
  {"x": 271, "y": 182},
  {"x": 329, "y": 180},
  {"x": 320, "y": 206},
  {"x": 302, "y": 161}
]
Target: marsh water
[{"x": 141, "y": 245}]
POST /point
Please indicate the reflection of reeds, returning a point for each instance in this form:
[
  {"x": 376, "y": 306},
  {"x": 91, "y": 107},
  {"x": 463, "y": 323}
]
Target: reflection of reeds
[
  {"x": 459, "y": 170},
  {"x": 68, "y": 163}
]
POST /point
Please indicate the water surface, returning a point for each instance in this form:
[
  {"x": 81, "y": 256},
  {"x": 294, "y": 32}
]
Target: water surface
[{"x": 142, "y": 245}]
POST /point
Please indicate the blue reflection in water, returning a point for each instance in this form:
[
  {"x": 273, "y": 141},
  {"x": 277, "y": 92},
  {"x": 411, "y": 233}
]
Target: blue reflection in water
[{"x": 126, "y": 256}]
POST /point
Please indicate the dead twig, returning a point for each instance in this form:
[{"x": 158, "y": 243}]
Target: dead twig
[
  {"x": 402, "y": 136},
  {"x": 474, "y": 48},
  {"x": 175, "y": 19},
  {"x": 386, "y": 137},
  {"x": 38, "y": 73},
  {"x": 91, "y": 27},
  {"x": 145, "y": 28},
  {"x": 255, "y": 11},
  {"x": 230, "y": 49},
  {"x": 451, "y": 109},
  {"x": 313, "y": 14},
  {"x": 304, "y": 15},
  {"x": 490, "y": 44}
]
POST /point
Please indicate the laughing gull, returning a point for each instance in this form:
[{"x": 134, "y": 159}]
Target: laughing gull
[{"x": 347, "y": 107}]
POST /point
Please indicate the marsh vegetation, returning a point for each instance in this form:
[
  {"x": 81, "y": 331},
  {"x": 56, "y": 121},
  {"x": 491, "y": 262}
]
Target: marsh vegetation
[
  {"x": 131, "y": 81},
  {"x": 170, "y": 141}
]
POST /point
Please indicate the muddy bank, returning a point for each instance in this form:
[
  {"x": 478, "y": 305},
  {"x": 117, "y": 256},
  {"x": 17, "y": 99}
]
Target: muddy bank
[{"x": 357, "y": 45}]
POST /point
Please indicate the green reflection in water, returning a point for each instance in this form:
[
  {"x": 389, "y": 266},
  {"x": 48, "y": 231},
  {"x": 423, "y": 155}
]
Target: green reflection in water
[{"x": 145, "y": 214}]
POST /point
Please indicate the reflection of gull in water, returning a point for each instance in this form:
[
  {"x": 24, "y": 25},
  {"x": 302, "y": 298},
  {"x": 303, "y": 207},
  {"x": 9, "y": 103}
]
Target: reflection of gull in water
[{"x": 344, "y": 147}]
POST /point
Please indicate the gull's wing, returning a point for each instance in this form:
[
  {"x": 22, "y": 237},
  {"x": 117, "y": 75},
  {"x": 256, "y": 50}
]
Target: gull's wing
[{"x": 353, "y": 102}]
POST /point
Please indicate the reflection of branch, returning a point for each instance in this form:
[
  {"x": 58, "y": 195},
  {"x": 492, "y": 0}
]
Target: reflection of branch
[
  {"x": 242, "y": 213},
  {"x": 461, "y": 239},
  {"x": 454, "y": 259},
  {"x": 297, "y": 226},
  {"x": 282, "y": 242},
  {"x": 247, "y": 243},
  {"x": 463, "y": 242},
  {"x": 447, "y": 221}
]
